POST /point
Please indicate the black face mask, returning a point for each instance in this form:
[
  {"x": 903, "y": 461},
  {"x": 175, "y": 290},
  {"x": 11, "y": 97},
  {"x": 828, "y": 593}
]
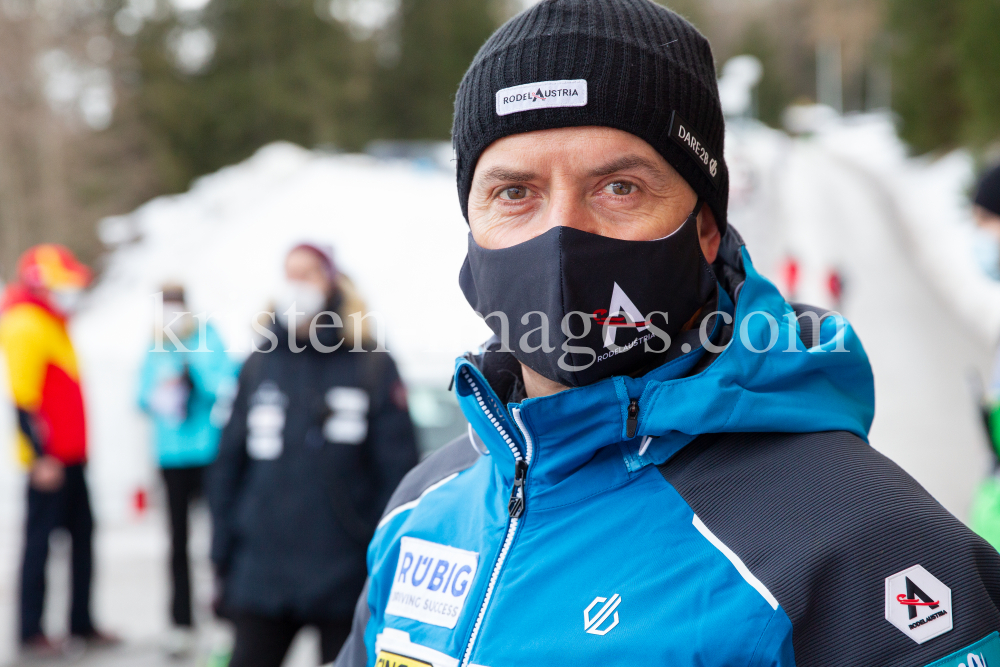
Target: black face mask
[{"x": 578, "y": 307}]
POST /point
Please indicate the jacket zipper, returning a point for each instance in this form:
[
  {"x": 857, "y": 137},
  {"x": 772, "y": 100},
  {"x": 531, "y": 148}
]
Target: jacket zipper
[
  {"x": 632, "y": 423},
  {"x": 515, "y": 508}
]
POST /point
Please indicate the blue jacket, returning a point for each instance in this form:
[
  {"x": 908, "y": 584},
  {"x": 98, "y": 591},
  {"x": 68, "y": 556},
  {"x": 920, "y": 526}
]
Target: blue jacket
[
  {"x": 746, "y": 504},
  {"x": 210, "y": 377}
]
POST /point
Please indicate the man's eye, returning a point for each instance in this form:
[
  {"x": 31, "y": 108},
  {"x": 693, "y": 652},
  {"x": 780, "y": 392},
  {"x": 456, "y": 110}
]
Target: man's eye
[
  {"x": 514, "y": 193},
  {"x": 622, "y": 188}
]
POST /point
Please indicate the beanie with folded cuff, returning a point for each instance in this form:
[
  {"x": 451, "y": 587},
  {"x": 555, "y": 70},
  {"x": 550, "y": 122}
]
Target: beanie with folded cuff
[{"x": 626, "y": 64}]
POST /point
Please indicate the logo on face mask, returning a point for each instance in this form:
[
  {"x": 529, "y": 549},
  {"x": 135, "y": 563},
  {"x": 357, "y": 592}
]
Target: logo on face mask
[{"x": 611, "y": 318}]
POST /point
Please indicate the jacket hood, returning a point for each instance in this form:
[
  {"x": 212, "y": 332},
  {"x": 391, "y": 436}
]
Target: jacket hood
[
  {"x": 764, "y": 380},
  {"x": 17, "y": 294}
]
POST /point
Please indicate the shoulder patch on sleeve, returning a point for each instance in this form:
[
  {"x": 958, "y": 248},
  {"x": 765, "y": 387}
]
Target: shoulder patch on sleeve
[
  {"x": 984, "y": 653},
  {"x": 918, "y": 604}
]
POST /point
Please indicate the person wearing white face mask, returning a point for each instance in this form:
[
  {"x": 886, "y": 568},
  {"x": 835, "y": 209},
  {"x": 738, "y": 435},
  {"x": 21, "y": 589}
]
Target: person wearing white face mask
[
  {"x": 186, "y": 386},
  {"x": 300, "y": 298},
  {"x": 319, "y": 437},
  {"x": 985, "y": 514}
]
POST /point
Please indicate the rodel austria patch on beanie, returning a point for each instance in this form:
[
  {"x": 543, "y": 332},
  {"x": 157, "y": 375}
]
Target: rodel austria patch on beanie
[{"x": 627, "y": 64}]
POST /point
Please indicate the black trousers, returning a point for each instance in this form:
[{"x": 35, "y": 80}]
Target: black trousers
[
  {"x": 69, "y": 508},
  {"x": 183, "y": 486},
  {"x": 263, "y": 641}
]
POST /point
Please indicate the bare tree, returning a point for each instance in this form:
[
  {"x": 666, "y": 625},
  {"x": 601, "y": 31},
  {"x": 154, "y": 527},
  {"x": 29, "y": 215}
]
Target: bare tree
[{"x": 72, "y": 146}]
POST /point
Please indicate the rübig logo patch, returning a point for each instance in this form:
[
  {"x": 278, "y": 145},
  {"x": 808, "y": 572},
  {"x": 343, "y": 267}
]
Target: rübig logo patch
[
  {"x": 918, "y": 604},
  {"x": 542, "y": 95},
  {"x": 432, "y": 582}
]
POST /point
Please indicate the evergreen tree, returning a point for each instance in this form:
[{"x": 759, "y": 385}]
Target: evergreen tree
[
  {"x": 925, "y": 72},
  {"x": 279, "y": 71},
  {"x": 979, "y": 50},
  {"x": 286, "y": 70},
  {"x": 773, "y": 94},
  {"x": 946, "y": 86},
  {"x": 437, "y": 40}
]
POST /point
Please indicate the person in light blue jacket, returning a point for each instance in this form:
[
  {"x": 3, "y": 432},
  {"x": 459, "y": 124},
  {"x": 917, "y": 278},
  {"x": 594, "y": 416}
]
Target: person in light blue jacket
[{"x": 186, "y": 386}]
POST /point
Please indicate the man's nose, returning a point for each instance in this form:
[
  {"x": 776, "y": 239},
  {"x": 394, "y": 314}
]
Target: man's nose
[{"x": 568, "y": 207}]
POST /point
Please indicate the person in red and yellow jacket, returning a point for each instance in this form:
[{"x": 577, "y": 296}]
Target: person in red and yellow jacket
[{"x": 45, "y": 386}]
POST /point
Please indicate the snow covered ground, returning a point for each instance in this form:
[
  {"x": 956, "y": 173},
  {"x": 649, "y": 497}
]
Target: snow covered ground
[{"x": 844, "y": 197}]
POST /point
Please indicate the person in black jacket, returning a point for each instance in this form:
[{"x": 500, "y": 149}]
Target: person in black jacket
[{"x": 318, "y": 439}]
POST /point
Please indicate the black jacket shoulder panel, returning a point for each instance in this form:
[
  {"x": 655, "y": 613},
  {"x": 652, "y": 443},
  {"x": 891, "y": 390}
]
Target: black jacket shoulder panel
[
  {"x": 456, "y": 456},
  {"x": 822, "y": 519}
]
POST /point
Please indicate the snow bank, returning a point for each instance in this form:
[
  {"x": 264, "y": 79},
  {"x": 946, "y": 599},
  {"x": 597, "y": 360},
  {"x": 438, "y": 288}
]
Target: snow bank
[{"x": 397, "y": 231}]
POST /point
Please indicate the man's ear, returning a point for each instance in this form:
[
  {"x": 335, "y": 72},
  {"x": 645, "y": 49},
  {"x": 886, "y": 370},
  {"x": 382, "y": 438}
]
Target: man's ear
[{"x": 708, "y": 234}]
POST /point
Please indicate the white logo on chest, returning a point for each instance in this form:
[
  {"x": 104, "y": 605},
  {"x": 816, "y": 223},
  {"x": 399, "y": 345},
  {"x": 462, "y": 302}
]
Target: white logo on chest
[
  {"x": 266, "y": 422},
  {"x": 432, "y": 582},
  {"x": 593, "y": 624}
]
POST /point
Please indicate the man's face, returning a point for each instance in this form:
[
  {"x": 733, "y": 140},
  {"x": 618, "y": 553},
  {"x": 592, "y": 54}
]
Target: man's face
[{"x": 595, "y": 179}]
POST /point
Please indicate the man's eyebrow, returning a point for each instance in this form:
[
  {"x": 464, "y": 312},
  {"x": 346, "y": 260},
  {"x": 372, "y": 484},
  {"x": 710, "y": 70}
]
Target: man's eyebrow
[
  {"x": 626, "y": 162},
  {"x": 508, "y": 175}
]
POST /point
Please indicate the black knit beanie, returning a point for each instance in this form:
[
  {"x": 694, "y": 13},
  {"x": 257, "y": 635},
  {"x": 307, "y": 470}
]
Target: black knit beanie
[
  {"x": 626, "y": 64},
  {"x": 987, "y": 196}
]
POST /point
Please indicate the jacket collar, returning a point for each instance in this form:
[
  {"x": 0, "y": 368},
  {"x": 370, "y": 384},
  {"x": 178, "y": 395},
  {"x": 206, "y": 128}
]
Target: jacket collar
[
  {"x": 17, "y": 294},
  {"x": 827, "y": 387}
]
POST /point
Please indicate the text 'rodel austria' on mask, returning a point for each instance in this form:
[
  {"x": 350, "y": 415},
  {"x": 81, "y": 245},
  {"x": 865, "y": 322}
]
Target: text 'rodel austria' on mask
[{"x": 578, "y": 307}]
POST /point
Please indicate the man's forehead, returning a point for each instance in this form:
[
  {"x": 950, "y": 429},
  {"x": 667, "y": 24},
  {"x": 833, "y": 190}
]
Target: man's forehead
[{"x": 588, "y": 151}]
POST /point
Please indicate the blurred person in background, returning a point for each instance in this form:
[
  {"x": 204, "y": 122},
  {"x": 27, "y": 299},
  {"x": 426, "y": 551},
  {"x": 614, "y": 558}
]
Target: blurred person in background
[
  {"x": 186, "y": 386},
  {"x": 45, "y": 386},
  {"x": 319, "y": 438},
  {"x": 986, "y": 211},
  {"x": 985, "y": 515}
]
